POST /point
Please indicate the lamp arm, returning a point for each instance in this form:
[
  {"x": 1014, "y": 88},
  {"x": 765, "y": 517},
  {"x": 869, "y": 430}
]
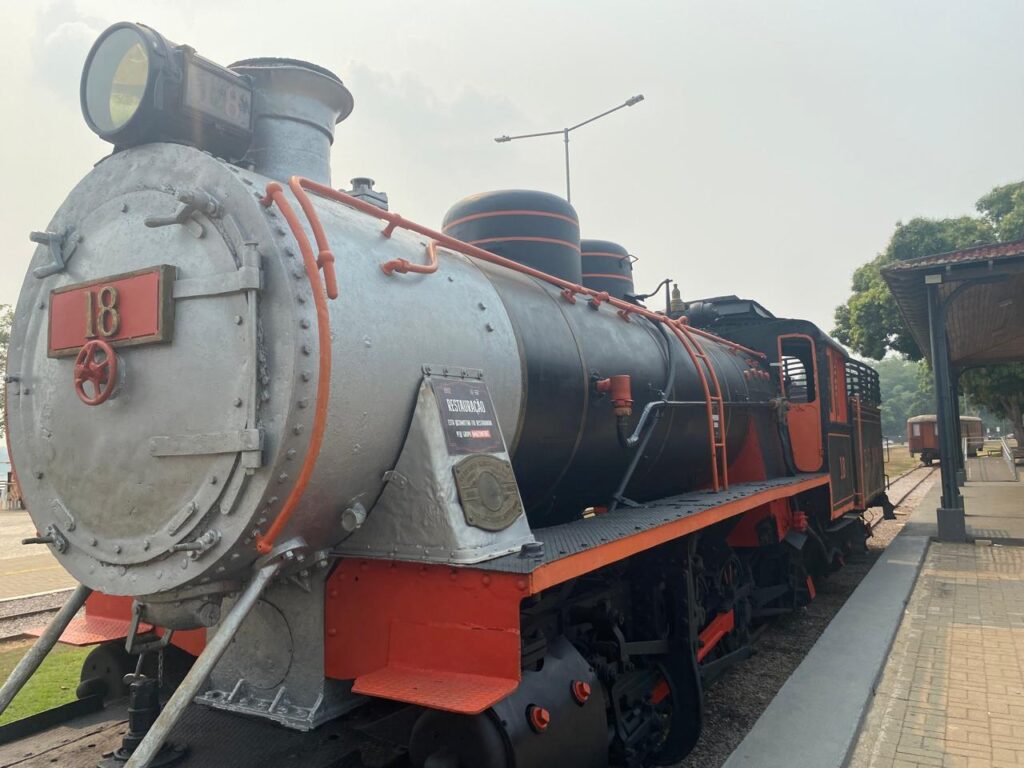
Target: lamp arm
[
  {"x": 530, "y": 135},
  {"x": 596, "y": 117}
]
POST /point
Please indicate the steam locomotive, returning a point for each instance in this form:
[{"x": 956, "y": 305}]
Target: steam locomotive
[{"x": 350, "y": 489}]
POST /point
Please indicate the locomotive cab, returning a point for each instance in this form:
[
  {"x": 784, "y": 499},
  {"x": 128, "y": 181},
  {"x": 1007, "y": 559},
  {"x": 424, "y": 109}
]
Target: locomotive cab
[{"x": 832, "y": 415}]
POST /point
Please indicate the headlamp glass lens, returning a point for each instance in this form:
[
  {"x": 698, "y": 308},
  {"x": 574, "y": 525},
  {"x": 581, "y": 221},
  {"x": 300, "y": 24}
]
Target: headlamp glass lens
[{"x": 116, "y": 80}]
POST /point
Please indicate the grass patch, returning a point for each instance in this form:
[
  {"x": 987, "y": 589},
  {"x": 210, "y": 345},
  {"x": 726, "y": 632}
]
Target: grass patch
[
  {"x": 899, "y": 460},
  {"x": 53, "y": 683}
]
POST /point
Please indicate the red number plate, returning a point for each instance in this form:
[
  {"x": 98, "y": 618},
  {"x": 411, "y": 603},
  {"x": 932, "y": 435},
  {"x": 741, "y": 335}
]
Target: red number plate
[{"x": 124, "y": 310}]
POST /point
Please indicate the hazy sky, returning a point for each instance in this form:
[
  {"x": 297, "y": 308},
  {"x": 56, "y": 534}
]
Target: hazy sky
[{"x": 778, "y": 144}]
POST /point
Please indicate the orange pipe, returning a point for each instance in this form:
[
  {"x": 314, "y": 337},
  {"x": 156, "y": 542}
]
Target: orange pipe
[
  {"x": 404, "y": 265},
  {"x": 275, "y": 194},
  {"x": 300, "y": 186}
]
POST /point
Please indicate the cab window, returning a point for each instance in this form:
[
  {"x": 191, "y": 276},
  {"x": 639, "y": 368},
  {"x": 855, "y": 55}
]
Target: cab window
[{"x": 797, "y": 366}]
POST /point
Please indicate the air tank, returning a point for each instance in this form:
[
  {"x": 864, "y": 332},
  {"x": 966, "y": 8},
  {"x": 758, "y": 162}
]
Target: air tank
[
  {"x": 537, "y": 229},
  {"x": 608, "y": 267}
]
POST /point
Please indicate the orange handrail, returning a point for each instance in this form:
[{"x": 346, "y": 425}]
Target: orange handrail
[
  {"x": 275, "y": 194},
  {"x": 404, "y": 265},
  {"x": 300, "y": 187},
  {"x": 689, "y": 344},
  {"x": 685, "y": 341},
  {"x": 715, "y": 445},
  {"x": 325, "y": 258}
]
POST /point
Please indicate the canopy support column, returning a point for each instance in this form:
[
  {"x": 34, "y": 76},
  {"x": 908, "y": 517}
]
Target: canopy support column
[
  {"x": 954, "y": 399},
  {"x": 950, "y": 514}
]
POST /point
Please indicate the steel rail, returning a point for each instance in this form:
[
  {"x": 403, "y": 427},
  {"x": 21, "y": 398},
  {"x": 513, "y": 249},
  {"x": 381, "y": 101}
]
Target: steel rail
[
  {"x": 929, "y": 473},
  {"x": 904, "y": 476}
]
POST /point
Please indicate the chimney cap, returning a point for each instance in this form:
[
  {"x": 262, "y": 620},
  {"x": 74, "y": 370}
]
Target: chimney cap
[{"x": 275, "y": 64}]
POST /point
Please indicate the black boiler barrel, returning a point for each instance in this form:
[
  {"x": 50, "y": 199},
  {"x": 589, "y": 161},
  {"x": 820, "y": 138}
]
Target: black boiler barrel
[
  {"x": 536, "y": 229},
  {"x": 565, "y": 451},
  {"x": 607, "y": 266}
]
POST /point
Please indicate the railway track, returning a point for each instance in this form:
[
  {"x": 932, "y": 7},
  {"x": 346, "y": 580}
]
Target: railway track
[
  {"x": 928, "y": 473},
  {"x": 898, "y": 483},
  {"x": 20, "y": 614}
]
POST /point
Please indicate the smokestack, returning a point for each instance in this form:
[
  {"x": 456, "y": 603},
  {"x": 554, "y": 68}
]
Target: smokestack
[{"x": 295, "y": 108}]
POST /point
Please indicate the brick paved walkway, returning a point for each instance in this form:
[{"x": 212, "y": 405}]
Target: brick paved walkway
[{"x": 952, "y": 693}]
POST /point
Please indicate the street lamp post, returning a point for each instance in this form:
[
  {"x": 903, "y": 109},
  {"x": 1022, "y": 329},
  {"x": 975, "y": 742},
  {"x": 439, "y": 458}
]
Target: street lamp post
[{"x": 565, "y": 136}]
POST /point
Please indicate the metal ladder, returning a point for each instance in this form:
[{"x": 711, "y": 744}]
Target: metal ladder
[{"x": 715, "y": 405}]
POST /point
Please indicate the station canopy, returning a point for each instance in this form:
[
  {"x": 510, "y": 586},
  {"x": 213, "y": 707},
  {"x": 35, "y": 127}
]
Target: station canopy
[{"x": 982, "y": 289}]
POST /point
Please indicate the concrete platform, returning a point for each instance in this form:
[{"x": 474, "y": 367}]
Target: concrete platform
[
  {"x": 989, "y": 468},
  {"x": 994, "y": 511},
  {"x": 958, "y": 656}
]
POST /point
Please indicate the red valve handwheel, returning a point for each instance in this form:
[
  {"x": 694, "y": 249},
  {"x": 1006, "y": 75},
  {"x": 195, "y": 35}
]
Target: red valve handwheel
[{"x": 102, "y": 372}]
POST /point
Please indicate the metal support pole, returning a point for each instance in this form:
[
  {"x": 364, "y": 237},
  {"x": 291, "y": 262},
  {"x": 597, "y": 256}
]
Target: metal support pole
[
  {"x": 954, "y": 399},
  {"x": 950, "y": 514},
  {"x": 568, "y": 191},
  {"x": 565, "y": 135},
  {"x": 42, "y": 647},
  {"x": 194, "y": 680}
]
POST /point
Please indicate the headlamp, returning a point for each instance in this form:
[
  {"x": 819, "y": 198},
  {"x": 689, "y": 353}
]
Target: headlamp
[{"x": 139, "y": 87}]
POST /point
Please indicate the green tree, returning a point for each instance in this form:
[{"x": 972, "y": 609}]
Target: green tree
[
  {"x": 869, "y": 321},
  {"x": 905, "y": 393},
  {"x": 1001, "y": 389},
  {"x": 6, "y": 317},
  {"x": 1003, "y": 208}
]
